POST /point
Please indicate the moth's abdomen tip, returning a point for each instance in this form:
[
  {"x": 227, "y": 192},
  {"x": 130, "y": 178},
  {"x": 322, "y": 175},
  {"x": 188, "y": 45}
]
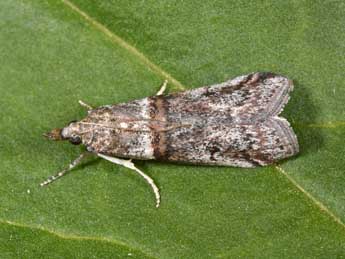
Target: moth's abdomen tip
[{"x": 288, "y": 139}]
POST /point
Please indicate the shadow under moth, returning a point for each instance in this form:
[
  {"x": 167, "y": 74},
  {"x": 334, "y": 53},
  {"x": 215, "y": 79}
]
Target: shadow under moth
[{"x": 234, "y": 123}]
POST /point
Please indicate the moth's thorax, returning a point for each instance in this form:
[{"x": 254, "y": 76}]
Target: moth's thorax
[{"x": 119, "y": 131}]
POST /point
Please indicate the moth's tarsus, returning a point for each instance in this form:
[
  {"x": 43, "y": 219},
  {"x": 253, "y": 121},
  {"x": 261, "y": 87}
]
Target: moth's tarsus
[
  {"x": 52, "y": 178},
  {"x": 162, "y": 88},
  {"x": 88, "y": 107}
]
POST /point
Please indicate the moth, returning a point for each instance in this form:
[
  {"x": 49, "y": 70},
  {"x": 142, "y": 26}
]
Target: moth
[{"x": 235, "y": 123}]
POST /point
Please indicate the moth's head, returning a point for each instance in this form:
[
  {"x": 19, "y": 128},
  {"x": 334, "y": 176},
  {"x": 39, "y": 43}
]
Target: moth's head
[{"x": 71, "y": 133}]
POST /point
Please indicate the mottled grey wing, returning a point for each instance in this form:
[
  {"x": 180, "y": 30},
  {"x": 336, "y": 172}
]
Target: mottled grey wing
[
  {"x": 247, "y": 98},
  {"x": 234, "y": 123},
  {"x": 242, "y": 145}
]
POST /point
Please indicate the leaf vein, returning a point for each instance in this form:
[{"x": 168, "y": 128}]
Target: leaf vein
[
  {"x": 318, "y": 203},
  {"x": 329, "y": 124},
  {"x": 121, "y": 42},
  {"x": 75, "y": 237}
]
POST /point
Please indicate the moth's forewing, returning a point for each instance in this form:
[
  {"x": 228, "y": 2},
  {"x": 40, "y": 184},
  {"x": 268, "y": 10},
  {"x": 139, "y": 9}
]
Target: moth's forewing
[{"x": 234, "y": 123}]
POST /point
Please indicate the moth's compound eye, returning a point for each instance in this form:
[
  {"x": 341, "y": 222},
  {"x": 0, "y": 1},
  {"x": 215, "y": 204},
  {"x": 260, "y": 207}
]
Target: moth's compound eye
[{"x": 75, "y": 140}]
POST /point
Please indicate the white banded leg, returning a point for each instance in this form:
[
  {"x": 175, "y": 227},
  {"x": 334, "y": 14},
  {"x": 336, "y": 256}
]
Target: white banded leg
[
  {"x": 88, "y": 107},
  {"x": 129, "y": 164},
  {"x": 63, "y": 172},
  {"x": 163, "y": 87}
]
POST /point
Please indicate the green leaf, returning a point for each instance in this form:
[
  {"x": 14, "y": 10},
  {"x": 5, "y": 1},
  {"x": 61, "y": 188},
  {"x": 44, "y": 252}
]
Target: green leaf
[{"x": 54, "y": 53}]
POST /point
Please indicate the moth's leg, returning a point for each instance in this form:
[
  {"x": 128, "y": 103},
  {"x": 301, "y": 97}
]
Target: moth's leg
[
  {"x": 89, "y": 107},
  {"x": 162, "y": 88},
  {"x": 129, "y": 164},
  {"x": 66, "y": 170}
]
